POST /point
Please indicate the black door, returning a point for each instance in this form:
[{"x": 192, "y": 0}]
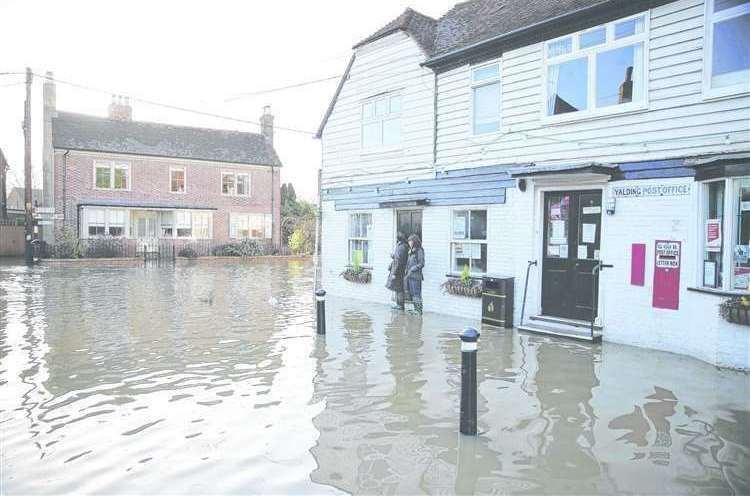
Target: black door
[
  {"x": 572, "y": 237},
  {"x": 409, "y": 222}
]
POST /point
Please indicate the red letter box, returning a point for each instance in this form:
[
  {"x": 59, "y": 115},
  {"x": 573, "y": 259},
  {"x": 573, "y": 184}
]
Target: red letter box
[{"x": 667, "y": 275}]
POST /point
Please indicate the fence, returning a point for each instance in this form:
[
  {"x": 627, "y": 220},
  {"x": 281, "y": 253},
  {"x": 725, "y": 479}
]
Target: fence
[{"x": 11, "y": 240}]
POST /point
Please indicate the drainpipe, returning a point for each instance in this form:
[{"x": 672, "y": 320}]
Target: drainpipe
[
  {"x": 273, "y": 208},
  {"x": 64, "y": 185},
  {"x": 434, "y": 122}
]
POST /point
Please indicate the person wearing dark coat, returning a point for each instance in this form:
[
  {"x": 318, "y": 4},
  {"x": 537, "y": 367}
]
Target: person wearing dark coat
[
  {"x": 397, "y": 269},
  {"x": 414, "y": 277}
]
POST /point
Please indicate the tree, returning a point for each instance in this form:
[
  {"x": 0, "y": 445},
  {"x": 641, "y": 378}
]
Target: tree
[{"x": 297, "y": 217}]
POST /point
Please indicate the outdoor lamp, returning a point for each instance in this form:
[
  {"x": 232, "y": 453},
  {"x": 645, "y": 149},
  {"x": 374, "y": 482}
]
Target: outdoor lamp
[{"x": 611, "y": 201}]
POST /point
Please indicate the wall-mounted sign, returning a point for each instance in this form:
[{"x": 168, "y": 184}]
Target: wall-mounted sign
[
  {"x": 646, "y": 190},
  {"x": 710, "y": 279},
  {"x": 713, "y": 235},
  {"x": 667, "y": 275}
]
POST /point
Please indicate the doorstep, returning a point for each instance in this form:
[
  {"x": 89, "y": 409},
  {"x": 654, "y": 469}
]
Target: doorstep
[{"x": 565, "y": 328}]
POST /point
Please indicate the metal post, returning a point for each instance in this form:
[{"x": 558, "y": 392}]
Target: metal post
[
  {"x": 468, "y": 423},
  {"x": 28, "y": 194},
  {"x": 320, "y": 304},
  {"x": 525, "y": 289}
]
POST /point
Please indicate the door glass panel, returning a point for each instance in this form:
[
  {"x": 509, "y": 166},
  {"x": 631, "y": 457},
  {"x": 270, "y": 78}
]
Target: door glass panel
[
  {"x": 589, "y": 226},
  {"x": 558, "y": 220}
]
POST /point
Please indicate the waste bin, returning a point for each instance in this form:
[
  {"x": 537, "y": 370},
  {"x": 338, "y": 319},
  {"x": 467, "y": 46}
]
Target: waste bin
[{"x": 497, "y": 301}]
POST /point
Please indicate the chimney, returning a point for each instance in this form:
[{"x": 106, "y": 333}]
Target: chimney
[
  {"x": 266, "y": 124},
  {"x": 120, "y": 109},
  {"x": 49, "y": 92}
]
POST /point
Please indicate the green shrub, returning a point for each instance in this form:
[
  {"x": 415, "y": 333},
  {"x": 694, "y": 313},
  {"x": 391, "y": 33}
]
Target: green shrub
[
  {"x": 105, "y": 247},
  {"x": 243, "y": 248},
  {"x": 66, "y": 244}
]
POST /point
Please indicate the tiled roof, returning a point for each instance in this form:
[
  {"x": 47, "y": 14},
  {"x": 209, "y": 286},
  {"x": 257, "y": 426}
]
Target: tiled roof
[
  {"x": 84, "y": 132},
  {"x": 420, "y": 26}
]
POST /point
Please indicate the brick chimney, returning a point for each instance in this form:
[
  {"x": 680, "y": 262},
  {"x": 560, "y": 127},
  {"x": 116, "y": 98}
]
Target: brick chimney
[
  {"x": 120, "y": 109},
  {"x": 266, "y": 124}
]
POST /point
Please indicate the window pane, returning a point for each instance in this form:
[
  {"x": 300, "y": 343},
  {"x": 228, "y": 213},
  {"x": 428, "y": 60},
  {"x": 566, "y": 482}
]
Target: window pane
[
  {"x": 243, "y": 184},
  {"x": 366, "y": 225},
  {"x": 618, "y": 75},
  {"x": 479, "y": 258},
  {"x": 392, "y": 131},
  {"x": 731, "y": 52},
  {"x": 478, "y": 224},
  {"x": 741, "y": 255},
  {"x": 96, "y": 230},
  {"x": 567, "y": 87},
  {"x": 461, "y": 224},
  {"x": 227, "y": 184},
  {"x": 116, "y": 230},
  {"x": 178, "y": 181},
  {"x": 488, "y": 72},
  {"x": 720, "y": 5},
  {"x": 560, "y": 47},
  {"x": 395, "y": 105},
  {"x": 371, "y": 134},
  {"x": 487, "y": 108},
  {"x": 380, "y": 107},
  {"x": 368, "y": 110},
  {"x": 629, "y": 27},
  {"x": 461, "y": 256},
  {"x": 359, "y": 250},
  {"x": 592, "y": 38},
  {"x": 121, "y": 178},
  {"x": 103, "y": 177}
]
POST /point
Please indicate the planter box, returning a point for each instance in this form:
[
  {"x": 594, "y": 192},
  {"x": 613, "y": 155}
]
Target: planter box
[
  {"x": 738, "y": 316},
  {"x": 457, "y": 288},
  {"x": 364, "y": 276}
]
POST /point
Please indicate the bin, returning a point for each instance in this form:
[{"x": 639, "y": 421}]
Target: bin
[{"x": 497, "y": 301}]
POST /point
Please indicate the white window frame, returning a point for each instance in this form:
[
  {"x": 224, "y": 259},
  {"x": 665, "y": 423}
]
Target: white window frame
[
  {"x": 468, "y": 240},
  {"x": 728, "y": 233},
  {"x": 234, "y": 175},
  {"x": 112, "y": 165},
  {"x": 349, "y": 239},
  {"x": 590, "y": 54},
  {"x": 184, "y": 180},
  {"x": 107, "y": 222},
  {"x": 193, "y": 223},
  {"x": 387, "y": 96},
  {"x": 712, "y": 18},
  {"x": 267, "y": 219},
  {"x": 474, "y": 85}
]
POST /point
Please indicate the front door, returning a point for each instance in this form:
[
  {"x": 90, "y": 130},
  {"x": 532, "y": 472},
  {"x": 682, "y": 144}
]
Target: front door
[
  {"x": 409, "y": 222},
  {"x": 572, "y": 238}
]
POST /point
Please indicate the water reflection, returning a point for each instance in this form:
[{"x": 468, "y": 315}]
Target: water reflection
[{"x": 209, "y": 378}]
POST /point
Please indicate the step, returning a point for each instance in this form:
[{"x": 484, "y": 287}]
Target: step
[
  {"x": 560, "y": 332},
  {"x": 568, "y": 322}
]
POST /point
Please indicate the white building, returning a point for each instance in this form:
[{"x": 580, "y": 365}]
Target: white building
[{"x": 576, "y": 134}]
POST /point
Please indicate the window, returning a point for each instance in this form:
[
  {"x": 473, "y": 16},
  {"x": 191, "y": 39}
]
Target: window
[
  {"x": 183, "y": 224},
  {"x": 167, "y": 224},
  {"x": 469, "y": 245},
  {"x": 485, "y": 83},
  {"x": 177, "y": 180},
  {"x": 235, "y": 183},
  {"x": 360, "y": 227},
  {"x": 725, "y": 250},
  {"x": 105, "y": 222},
  {"x": 597, "y": 69},
  {"x": 728, "y": 46},
  {"x": 116, "y": 222},
  {"x": 381, "y": 121},
  {"x": 111, "y": 175},
  {"x": 255, "y": 226},
  {"x": 201, "y": 225},
  {"x": 96, "y": 219}
]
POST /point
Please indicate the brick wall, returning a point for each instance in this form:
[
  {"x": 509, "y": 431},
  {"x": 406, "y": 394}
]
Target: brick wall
[{"x": 149, "y": 182}]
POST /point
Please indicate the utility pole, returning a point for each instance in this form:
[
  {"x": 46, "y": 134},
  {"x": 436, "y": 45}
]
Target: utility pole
[
  {"x": 3, "y": 187},
  {"x": 27, "y": 168}
]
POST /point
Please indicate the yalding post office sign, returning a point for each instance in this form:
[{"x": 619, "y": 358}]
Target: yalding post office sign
[{"x": 650, "y": 190}]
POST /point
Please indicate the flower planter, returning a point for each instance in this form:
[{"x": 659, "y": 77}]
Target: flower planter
[
  {"x": 362, "y": 276},
  {"x": 472, "y": 289},
  {"x": 736, "y": 311}
]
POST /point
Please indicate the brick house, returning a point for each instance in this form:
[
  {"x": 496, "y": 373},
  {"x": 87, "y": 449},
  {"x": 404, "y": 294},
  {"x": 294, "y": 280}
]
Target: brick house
[{"x": 148, "y": 181}]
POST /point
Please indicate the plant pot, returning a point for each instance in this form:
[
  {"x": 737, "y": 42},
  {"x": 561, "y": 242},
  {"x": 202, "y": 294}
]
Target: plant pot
[
  {"x": 458, "y": 288},
  {"x": 739, "y": 316},
  {"x": 362, "y": 276}
]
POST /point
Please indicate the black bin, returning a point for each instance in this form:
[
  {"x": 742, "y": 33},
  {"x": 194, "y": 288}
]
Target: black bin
[{"x": 497, "y": 301}]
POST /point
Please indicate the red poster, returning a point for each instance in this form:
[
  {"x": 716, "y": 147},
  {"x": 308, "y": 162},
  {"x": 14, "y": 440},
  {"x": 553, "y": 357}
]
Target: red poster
[{"x": 713, "y": 235}]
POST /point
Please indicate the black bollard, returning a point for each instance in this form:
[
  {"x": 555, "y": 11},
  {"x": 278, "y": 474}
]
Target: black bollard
[
  {"x": 320, "y": 304},
  {"x": 468, "y": 424}
]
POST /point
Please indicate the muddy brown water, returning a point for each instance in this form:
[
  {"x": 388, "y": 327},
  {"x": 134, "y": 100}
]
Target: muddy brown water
[{"x": 209, "y": 378}]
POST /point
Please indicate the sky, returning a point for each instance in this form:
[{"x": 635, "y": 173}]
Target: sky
[{"x": 196, "y": 54}]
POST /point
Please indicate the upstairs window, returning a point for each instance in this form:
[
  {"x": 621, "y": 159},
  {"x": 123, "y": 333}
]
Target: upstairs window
[
  {"x": 381, "y": 121},
  {"x": 235, "y": 183},
  {"x": 177, "y": 180},
  {"x": 727, "y": 47},
  {"x": 600, "y": 68},
  {"x": 111, "y": 175},
  {"x": 485, "y": 90}
]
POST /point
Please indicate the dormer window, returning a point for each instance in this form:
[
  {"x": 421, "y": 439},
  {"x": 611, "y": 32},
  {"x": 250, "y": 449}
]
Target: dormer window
[
  {"x": 381, "y": 121},
  {"x": 597, "y": 70}
]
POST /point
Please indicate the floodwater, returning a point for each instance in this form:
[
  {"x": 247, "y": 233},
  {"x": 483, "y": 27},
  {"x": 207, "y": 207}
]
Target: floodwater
[{"x": 209, "y": 378}]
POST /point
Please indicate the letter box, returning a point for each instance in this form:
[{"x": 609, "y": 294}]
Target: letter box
[{"x": 667, "y": 275}]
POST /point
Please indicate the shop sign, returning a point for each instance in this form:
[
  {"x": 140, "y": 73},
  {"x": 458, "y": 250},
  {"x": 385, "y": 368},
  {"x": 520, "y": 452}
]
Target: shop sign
[
  {"x": 650, "y": 190},
  {"x": 713, "y": 235}
]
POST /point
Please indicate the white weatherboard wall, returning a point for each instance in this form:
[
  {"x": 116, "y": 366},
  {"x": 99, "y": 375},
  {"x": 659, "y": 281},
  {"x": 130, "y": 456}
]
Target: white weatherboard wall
[
  {"x": 386, "y": 65},
  {"x": 676, "y": 108}
]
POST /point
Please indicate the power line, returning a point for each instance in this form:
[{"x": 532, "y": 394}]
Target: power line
[
  {"x": 281, "y": 88},
  {"x": 171, "y": 107}
]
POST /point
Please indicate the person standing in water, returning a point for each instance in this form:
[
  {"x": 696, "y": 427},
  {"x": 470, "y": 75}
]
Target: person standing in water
[
  {"x": 397, "y": 269},
  {"x": 414, "y": 266}
]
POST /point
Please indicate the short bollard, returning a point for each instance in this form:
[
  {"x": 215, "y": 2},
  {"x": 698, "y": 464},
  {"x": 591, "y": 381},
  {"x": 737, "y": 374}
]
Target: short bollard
[
  {"x": 468, "y": 424},
  {"x": 320, "y": 303}
]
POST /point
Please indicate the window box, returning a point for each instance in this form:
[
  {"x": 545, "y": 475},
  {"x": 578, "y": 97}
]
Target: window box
[
  {"x": 471, "y": 288},
  {"x": 357, "y": 275},
  {"x": 736, "y": 310}
]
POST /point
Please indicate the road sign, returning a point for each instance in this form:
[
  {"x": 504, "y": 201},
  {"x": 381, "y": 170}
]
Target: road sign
[
  {"x": 44, "y": 210},
  {"x": 44, "y": 223}
]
